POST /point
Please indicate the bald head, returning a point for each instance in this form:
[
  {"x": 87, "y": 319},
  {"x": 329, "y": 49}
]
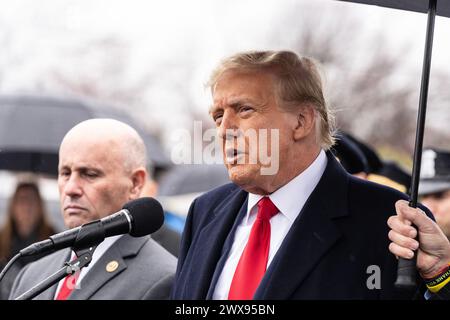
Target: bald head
[
  {"x": 116, "y": 135},
  {"x": 101, "y": 167}
]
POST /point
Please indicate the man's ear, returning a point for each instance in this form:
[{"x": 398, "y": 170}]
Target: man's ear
[
  {"x": 138, "y": 178},
  {"x": 306, "y": 116}
]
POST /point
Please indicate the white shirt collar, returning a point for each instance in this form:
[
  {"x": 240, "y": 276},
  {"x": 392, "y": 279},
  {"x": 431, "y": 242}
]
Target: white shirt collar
[
  {"x": 98, "y": 253},
  {"x": 291, "y": 197}
]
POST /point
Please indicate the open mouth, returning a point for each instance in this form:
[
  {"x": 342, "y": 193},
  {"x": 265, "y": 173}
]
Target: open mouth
[{"x": 233, "y": 155}]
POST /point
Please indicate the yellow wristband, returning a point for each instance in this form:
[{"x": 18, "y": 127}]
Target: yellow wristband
[
  {"x": 438, "y": 282},
  {"x": 439, "y": 286}
]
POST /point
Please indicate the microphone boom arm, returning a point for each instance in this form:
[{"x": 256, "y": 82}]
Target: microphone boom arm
[{"x": 84, "y": 257}]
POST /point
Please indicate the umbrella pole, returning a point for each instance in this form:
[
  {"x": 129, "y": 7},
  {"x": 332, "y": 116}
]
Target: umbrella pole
[{"x": 406, "y": 272}]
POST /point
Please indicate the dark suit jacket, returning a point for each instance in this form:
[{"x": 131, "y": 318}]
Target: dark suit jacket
[
  {"x": 443, "y": 294},
  {"x": 145, "y": 271},
  {"x": 331, "y": 251}
]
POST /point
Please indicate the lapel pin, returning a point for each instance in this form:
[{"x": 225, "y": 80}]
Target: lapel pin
[{"x": 112, "y": 266}]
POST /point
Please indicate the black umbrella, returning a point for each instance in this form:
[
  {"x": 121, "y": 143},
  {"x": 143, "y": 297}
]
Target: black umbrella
[
  {"x": 406, "y": 269},
  {"x": 442, "y": 9},
  {"x": 32, "y": 127}
]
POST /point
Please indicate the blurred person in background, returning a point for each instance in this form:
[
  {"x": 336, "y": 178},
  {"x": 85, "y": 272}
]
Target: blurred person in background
[
  {"x": 26, "y": 223},
  {"x": 350, "y": 156},
  {"x": 434, "y": 186},
  {"x": 363, "y": 162}
]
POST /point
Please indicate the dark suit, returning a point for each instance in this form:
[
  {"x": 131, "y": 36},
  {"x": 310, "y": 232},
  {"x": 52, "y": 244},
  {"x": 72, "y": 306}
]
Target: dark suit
[
  {"x": 145, "y": 271},
  {"x": 341, "y": 231},
  {"x": 443, "y": 294}
]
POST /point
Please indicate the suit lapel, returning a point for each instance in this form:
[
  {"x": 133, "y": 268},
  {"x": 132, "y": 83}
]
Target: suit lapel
[
  {"x": 210, "y": 245},
  {"x": 313, "y": 233},
  {"x": 98, "y": 276},
  {"x": 226, "y": 250},
  {"x": 60, "y": 259}
]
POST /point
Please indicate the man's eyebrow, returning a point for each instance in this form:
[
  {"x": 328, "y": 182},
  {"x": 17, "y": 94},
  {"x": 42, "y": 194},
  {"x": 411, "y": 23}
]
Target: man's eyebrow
[
  {"x": 81, "y": 168},
  {"x": 88, "y": 168},
  {"x": 233, "y": 103},
  {"x": 64, "y": 167}
]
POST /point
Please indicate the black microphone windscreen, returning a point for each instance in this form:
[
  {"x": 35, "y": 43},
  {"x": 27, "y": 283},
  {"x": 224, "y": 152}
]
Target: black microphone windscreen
[{"x": 147, "y": 216}]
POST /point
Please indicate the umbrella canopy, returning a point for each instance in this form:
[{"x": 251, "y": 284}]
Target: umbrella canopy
[
  {"x": 32, "y": 127},
  {"x": 442, "y": 9}
]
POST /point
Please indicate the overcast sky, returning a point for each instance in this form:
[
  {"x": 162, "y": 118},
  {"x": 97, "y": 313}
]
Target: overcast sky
[
  {"x": 198, "y": 31},
  {"x": 44, "y": 36}
]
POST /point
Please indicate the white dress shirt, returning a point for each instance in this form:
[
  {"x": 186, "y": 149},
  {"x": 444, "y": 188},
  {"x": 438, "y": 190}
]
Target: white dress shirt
[
  {"x": 98, "y": 253},
  {"x": 290, "y": 200}
]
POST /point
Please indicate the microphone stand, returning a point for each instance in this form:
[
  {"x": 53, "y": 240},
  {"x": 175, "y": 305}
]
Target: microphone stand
[{"x": 84, "y": 257}]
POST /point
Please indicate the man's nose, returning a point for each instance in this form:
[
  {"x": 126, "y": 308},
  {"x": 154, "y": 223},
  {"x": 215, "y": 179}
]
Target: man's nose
[
  {"x": 73, "y": 187},
  {"x": 229, "y": 127}
]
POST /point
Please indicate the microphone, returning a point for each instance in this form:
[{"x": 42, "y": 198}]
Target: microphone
[{"x": 138, "y": 217}]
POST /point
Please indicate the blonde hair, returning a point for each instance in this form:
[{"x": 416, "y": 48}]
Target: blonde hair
[{"x": 298, "y": 82}]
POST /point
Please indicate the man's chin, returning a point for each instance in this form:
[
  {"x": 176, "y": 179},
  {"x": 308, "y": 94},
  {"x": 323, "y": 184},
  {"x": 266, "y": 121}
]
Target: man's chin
[{"x": 243, "y": 174}]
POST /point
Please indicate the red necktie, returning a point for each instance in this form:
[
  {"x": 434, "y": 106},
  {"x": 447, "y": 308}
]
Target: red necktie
[
  {"x": 68, "y": 286},
  {"x": 253, "y": 262}
]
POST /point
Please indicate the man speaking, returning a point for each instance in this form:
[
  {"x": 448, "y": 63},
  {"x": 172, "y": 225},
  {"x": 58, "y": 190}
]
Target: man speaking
[
  {"x": 101, "y": 167},
  {"x": 308, "y": 230}
]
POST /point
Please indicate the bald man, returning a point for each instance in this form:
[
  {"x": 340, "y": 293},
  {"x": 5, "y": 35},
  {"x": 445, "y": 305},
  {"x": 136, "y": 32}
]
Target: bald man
[{"x": 101, "y": 167}]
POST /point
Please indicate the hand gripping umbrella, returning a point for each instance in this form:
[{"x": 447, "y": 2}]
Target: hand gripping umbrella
[{"x": 406, "y": 275}]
